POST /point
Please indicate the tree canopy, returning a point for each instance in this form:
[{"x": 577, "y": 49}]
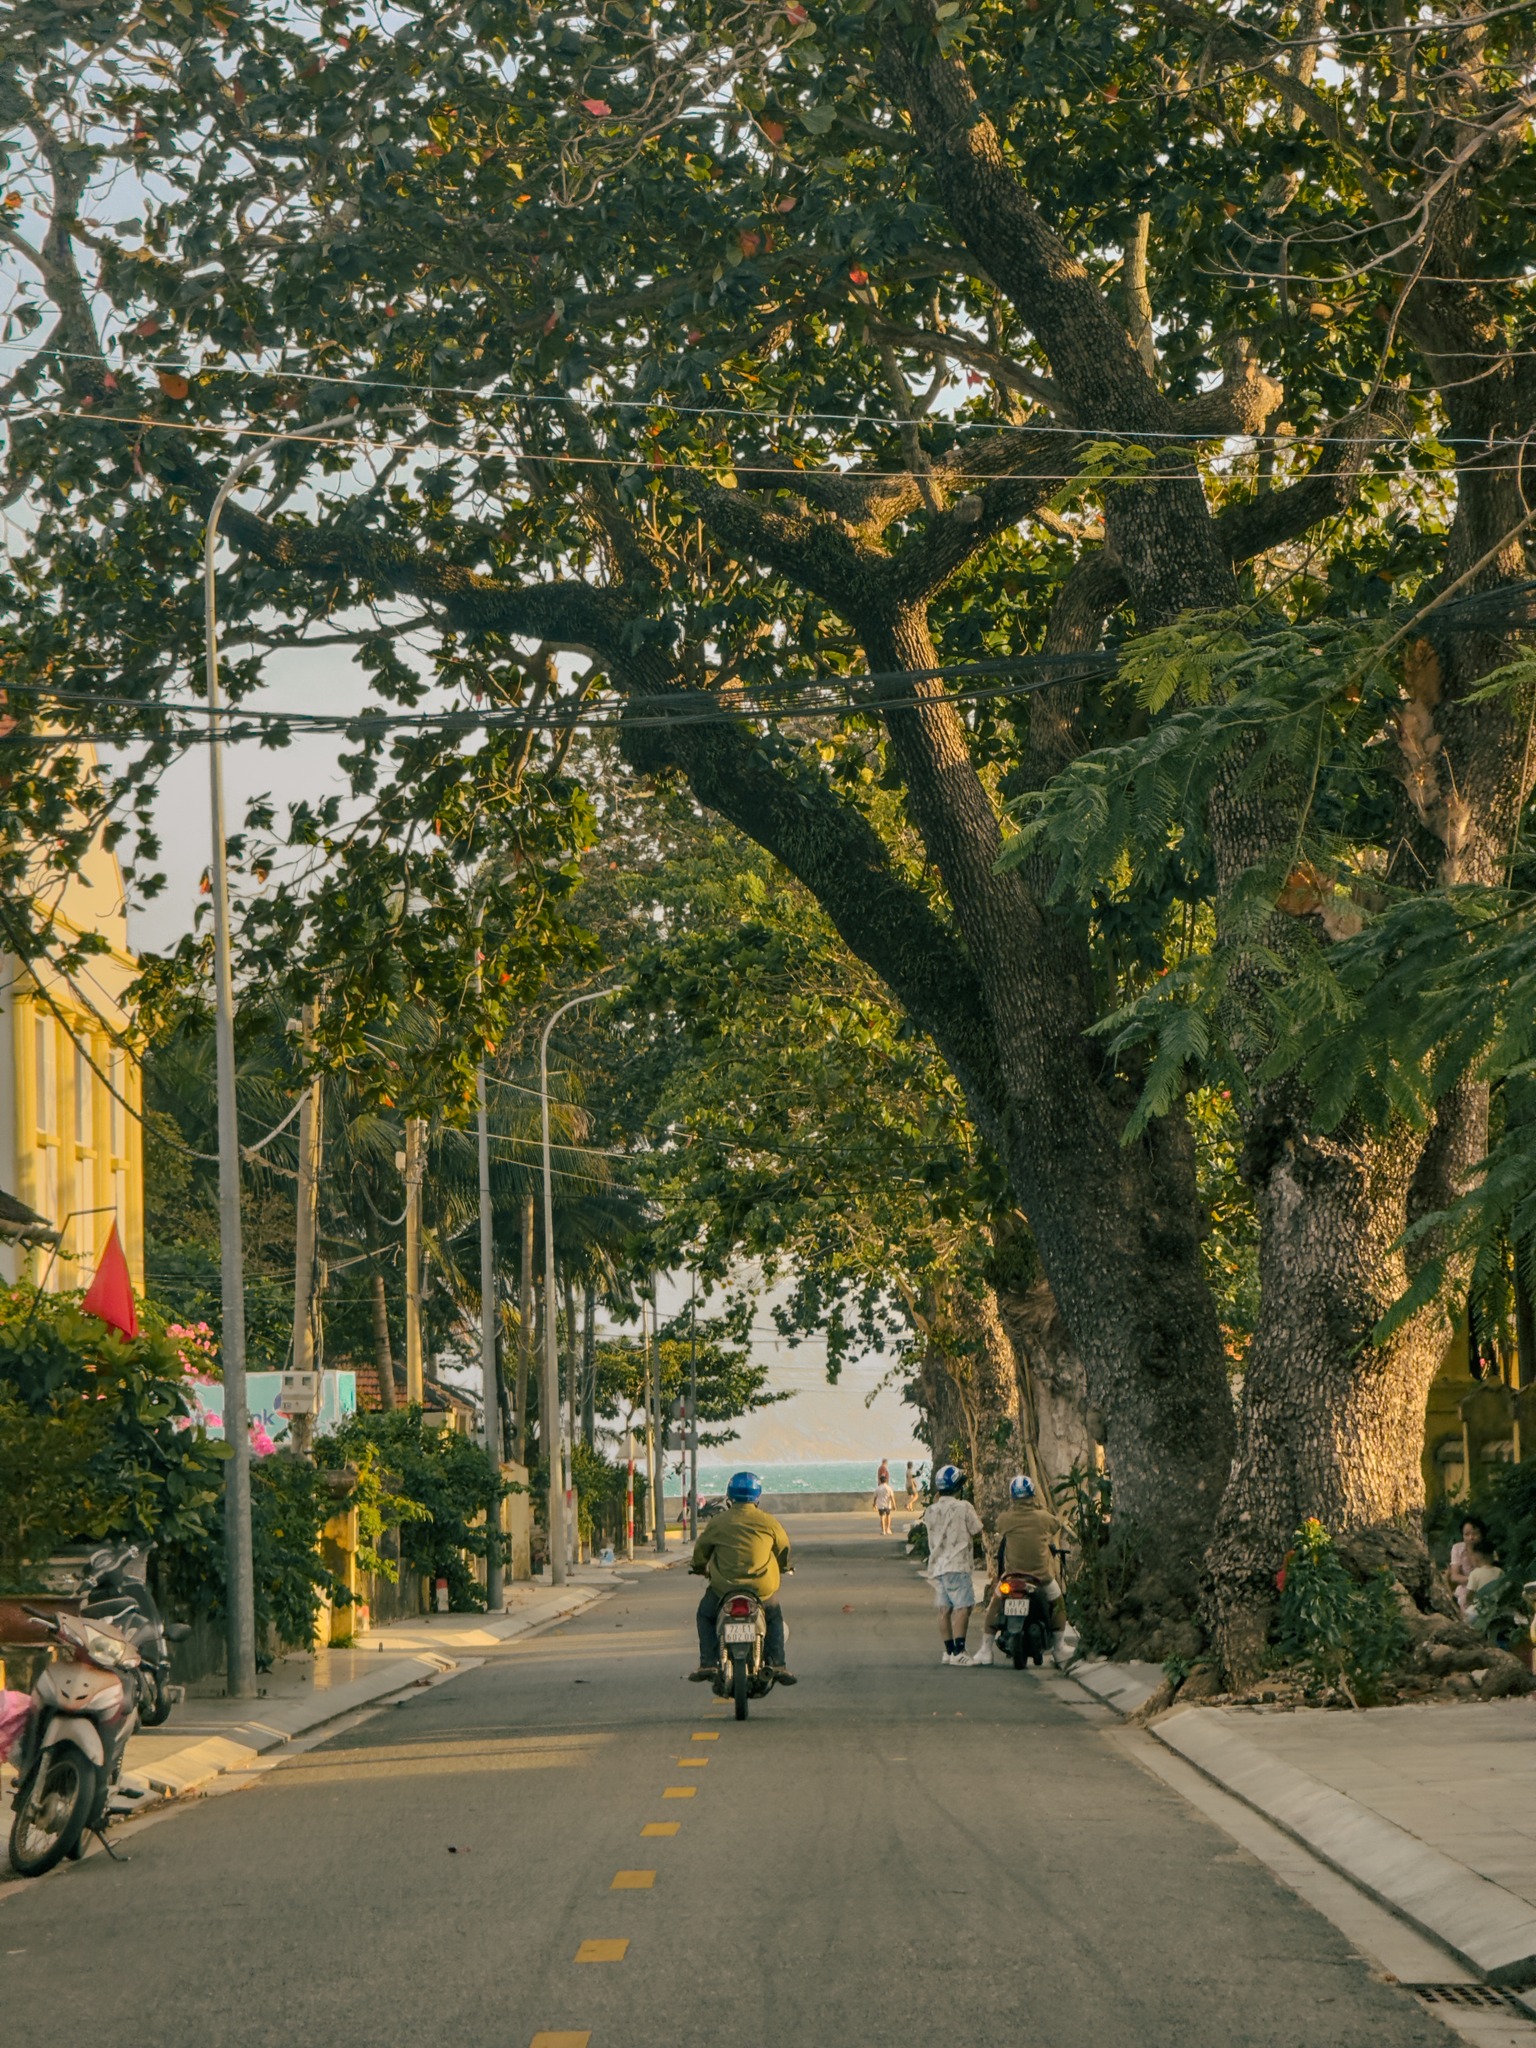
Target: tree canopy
[{"x": 906, "y": 424}]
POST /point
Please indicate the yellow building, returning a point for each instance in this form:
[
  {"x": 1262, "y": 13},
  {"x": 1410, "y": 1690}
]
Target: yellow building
[
  {"x": 70, "y": 1141},
  {"x": 1472, "y": 1425}
]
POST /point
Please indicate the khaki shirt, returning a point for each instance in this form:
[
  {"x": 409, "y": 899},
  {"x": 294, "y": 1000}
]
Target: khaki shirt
[
  {"x": 1025, "y": 1532},
  {"x": 744, "y": 1547}
]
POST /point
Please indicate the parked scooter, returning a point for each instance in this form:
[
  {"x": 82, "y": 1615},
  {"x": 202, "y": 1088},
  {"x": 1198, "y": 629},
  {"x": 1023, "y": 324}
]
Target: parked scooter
[
  {"x": 1024, "y": 1627},
  {"x": 85, "y": 1706},
  {"x": 116, "y": 1590}
]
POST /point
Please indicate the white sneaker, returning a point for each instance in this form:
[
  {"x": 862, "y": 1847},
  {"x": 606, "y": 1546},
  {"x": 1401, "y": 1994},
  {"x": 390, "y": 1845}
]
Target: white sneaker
[
  {"x": 960, "y": 1657},
  {"x": 984, "y": 1654}
]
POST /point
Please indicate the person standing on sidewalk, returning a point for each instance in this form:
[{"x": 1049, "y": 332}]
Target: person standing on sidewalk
[{"x": 953, "y": 1526}]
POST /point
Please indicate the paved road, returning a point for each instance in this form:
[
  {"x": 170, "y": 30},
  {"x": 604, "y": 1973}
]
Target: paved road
[{"x": 893, "y": 1852}]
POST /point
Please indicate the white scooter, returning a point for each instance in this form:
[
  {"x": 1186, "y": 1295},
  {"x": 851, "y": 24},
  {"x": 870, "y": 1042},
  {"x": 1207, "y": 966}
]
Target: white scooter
[{"x": 85, "y": 1707}]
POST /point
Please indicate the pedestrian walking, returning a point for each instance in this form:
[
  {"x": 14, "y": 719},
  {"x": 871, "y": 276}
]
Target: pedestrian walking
[
  {"x": 885, "y": 1501},
  {"x": 914, "y": 1489},
  {"x": 953, "y": 1526}
]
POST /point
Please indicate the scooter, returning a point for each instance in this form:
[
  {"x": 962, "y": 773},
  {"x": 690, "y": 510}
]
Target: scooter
[
  {"x": 1024, "y": 1627},
  {"x": 116, "y": 1590},
  {"x": 740, "y": 1632},
  {"x": 85, "y": 1707}
]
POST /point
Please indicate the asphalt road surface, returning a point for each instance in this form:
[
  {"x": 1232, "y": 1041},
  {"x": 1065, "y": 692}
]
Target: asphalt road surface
[{"x": 891, "y": 1853}]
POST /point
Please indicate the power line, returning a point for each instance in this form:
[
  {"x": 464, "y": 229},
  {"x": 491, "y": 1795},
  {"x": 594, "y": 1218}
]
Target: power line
[
  {"x": 761, "y": 415},
  {"x": 556, "y": 720},
  {"x": 1076, "y": 432},
  {"x": 786, "y": 477},
  {"x": 618, "y": 721}
]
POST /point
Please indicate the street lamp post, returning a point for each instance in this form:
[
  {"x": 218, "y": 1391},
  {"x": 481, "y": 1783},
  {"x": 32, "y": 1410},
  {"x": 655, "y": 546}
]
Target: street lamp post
[
  {"x": 693, "y": 1412},
  {"x": 240, "y": 1654},
  {"x": 550, "y": 1403},
  {"x": 495, "y": 1592}
]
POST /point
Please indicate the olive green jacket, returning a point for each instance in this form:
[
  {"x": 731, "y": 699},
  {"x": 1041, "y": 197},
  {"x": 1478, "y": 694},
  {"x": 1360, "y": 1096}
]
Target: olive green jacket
[
  {"x": 743, "y": 1548},
  {"x": 1024, "y": 1535}
]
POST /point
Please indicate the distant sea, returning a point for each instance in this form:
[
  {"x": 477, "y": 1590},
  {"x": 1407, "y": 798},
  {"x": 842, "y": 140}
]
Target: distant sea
[{"x": 840, "y": 1475}]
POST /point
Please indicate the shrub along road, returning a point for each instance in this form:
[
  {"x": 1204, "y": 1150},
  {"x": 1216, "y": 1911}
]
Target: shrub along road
[{"x": 891, "y": 1851}]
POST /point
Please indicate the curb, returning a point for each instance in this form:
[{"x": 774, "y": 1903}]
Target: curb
[
  {"x": 215, "y": 1756},
  {"x": 1489, "y": 1929},
  {"x": 189, "y": 1769},
  {"x": 197, "y": 1764},
  {"x": 477, "y": 1631},
  {"x": 1125, "y": 1687}
]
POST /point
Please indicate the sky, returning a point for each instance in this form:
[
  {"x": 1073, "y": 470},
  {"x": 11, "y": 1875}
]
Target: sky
[{"x": 855, "y": 1418}]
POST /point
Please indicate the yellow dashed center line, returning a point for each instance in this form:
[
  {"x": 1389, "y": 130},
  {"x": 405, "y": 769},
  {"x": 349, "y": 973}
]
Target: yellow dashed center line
[
  {"x": 560, "y": 2041},
  {"x": 679, "y": 1791},
  {"x": 633, "y": 1881},
  {"x": 694, "y": 1763},
  {"x": 706, "y": 1735},
  {"x": 660, "y": 1827},
  {"x": 602, "y": 1951}
]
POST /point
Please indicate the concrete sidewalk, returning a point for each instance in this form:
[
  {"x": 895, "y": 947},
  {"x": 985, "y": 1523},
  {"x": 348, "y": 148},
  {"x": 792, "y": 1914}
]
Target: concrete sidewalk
[
  {"x": 209, "y": 1736},
  {"x": 1430, "y": 1809}
]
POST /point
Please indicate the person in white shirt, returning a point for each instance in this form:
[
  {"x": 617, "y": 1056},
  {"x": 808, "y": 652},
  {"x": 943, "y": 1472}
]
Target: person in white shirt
[
  {"x": 952, "y": 1525},
  {"x": 885, "y": 1504}
]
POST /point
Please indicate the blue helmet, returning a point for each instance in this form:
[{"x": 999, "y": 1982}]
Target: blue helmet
[
  {"x": 948, "y": 1479},
  {"x": 744, "y": 1486},
  {"x": 1021, "y": 1487}
]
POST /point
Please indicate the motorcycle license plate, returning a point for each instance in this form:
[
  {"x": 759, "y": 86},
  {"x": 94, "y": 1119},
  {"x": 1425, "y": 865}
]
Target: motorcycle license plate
[
  {"x": 1015, "y": 1607},
  {"x": 741, "y": 1632}
]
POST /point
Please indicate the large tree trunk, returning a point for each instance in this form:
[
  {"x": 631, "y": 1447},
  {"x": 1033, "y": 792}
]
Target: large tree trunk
[
  {"x": 1332, "y": 1422},
  {"x": 1053, "y": 1384},
  {"x": 968, "y": 1391}
]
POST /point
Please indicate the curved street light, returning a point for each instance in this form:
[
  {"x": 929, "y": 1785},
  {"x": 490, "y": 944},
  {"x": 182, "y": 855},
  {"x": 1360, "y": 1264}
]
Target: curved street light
[{"x": 550, "y": 1403}]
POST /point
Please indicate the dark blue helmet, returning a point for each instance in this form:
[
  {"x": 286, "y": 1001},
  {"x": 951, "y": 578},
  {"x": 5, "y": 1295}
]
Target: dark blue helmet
[
  {"x": 948, "y": 1479},
  {"x": 744, "y": 1486}
]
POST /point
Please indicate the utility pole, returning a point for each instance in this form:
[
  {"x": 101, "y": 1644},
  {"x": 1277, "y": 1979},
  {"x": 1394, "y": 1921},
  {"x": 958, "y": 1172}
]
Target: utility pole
[
  {"x": 693, "y": 1411},
  {"x": 525, "y": 1344},
  {"x": 572, "y": 1524},
  {"x": 589, "y": 1367},
  {"x": 550, "y": 1404},
  {"x": 649, "y": 1422},
  {"x": 301, "y": 1428},
  {"x": 415, "y": 1167},
  {"x": 658, "y": 1437},
  {"x": 629, "y": 1489},
  {"x": 490, "y": 1382},
  {"x": 240, "y": 1608}
]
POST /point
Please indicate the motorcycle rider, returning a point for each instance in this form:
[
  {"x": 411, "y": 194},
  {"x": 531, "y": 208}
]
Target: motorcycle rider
[
  {"x": 742, "y": 1550},
  {"x": 952, "y": 1525},
  {"x": 1027, "y": 1536}
]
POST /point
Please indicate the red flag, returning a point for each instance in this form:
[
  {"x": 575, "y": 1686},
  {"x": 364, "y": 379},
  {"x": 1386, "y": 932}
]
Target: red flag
[{"x": 111, "y": 1293}]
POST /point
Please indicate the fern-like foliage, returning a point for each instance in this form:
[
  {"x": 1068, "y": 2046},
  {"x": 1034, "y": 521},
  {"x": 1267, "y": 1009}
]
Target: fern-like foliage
[
  {"x": 1438, "y": 990},
  {"x": 1289, "y": 716}
]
